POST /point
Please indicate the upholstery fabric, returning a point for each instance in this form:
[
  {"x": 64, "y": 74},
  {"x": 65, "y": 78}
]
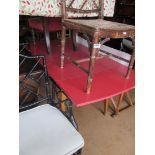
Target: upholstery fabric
[
  {"x": 52, "y": 8},
  {"x": 44, "y": 130},
  {"x": 54, "y": 24}
]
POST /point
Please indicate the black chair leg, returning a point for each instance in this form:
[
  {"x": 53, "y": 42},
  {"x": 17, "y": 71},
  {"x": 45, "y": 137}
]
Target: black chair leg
[
  {"x": 47, "y": 36},
  {"x": 33, "y": 37},
  {"x": 73, "y": 35},
  {"x": 78, "y": 152}
]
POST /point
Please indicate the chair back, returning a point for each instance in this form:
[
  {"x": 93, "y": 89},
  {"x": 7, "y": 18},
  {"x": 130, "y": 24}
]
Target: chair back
[
  {"x": 82, "y": 8},
  {"x": 33, "y": 82}
]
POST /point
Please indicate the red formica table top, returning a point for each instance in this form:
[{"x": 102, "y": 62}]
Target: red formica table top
[{"x": 109, "y": 76}]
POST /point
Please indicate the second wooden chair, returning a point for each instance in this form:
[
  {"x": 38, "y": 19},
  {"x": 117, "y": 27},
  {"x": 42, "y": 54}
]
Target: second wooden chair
[{"x": 97, "y": 32}]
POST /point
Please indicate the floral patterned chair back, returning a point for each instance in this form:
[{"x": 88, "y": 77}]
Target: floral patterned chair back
[{"x": 52, "y": 8}]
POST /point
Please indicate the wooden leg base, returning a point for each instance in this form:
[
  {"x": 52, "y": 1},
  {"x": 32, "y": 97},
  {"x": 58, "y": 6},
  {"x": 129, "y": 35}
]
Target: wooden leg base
[{"x": 116, "y": 106}]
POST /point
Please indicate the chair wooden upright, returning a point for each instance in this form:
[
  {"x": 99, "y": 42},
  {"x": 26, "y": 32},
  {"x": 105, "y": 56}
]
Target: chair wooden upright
[
  {"x": 46, "y": 25},
  {"x": 97, "y": 32}
]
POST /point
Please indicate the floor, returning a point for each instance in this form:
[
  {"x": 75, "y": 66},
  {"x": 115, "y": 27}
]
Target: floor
[{"x": 106, "y": 135}]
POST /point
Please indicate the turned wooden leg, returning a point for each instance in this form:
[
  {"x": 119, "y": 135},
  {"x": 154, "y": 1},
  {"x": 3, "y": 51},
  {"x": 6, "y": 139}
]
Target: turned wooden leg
[
  {"x": 92, "y": 62},
  {"x": 106, "y": 105},
  {"x": 63, "y": 40},
  {"x": 73, "y": 35},
  {"x": 47, "y": 36},
  {"x": 132, "y": 60}
]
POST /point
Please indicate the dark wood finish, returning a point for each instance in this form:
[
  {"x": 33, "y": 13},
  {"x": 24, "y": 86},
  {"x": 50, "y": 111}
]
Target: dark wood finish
[
  {"x": 132, "y": 60},
  {"x": 47, "y": 35},
  {"x": 96, "y": 29},
  {"x": 33, "y": 37},
  {"x": 125, "y": 11},
  {"x": 74, "y": 34},
  {"x": 45, "y": 25}
]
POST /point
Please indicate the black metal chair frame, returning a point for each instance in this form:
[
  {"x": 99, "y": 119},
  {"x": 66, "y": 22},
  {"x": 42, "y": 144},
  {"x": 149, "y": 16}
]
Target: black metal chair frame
[
  {"x": 26, "y": 78},
  {"x": 51, "y": 96}
]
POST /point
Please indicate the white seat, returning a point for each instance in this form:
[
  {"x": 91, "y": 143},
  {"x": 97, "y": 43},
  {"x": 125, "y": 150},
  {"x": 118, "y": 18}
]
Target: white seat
[{"x": 44, "y": 130}]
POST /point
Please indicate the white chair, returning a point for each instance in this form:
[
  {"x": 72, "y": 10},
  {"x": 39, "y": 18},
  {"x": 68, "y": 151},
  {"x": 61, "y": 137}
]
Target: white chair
[{"x": 43, "y": 129}]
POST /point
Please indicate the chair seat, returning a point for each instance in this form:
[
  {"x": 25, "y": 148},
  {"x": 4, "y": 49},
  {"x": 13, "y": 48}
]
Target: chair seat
[
  {"x": 45, "y": 131},
  {"x": 101, "y": 25},
  {"x": 53, "y": 25}
]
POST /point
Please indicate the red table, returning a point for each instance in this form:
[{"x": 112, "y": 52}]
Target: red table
[{"x": 109, "y": 79}]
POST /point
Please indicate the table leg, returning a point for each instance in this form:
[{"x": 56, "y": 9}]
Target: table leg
[
  {"x": 129, "y": 98},
  {"x": 106, "y": 105},
  {"x": 120, "y": 101},
  {"x": 115, "y": 106},
  {"x": 132, "y": 60}
]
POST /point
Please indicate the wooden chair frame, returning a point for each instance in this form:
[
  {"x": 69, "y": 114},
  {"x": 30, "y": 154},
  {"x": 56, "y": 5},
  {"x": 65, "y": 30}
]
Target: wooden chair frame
[
  {"x": 44, "y": 21},
  {"x": 98, "y": 35}
]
